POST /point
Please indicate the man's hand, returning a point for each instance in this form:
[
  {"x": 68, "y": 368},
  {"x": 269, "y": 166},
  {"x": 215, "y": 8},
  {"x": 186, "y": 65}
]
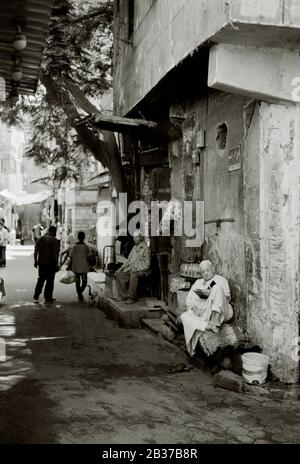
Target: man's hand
[
  {"x": 212, "y": 327},
  {"x": 119, "y": 270},
  {"x": 124, "y": 268},
  {"x": 35, "y": 264}
]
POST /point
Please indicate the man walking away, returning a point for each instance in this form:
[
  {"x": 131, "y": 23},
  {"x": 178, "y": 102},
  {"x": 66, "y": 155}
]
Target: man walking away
[
  {"x": 3, "y": 242},
  {"x": 37, "y": 231},
  {"x": 46, "y": 259},
  {"x": 80, "y": 266}
]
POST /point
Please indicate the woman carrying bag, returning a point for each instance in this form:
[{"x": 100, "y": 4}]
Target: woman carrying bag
[{"x": 80, "y": 254}]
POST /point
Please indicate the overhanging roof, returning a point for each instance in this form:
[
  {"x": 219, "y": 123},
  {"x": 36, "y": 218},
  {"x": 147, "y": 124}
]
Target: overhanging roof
[
  {"x": 36, "y": 15},
  {"x": 116, "y": 123}
]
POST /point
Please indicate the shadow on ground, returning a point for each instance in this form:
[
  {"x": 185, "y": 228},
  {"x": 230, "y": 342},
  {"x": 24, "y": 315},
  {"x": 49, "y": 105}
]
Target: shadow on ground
[{"x": 25, "y": 415}]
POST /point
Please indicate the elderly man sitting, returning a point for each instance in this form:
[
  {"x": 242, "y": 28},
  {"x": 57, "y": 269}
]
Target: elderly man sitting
[
  {"x": 137, "y": 264},
  {"x": 207, "y": 309}
]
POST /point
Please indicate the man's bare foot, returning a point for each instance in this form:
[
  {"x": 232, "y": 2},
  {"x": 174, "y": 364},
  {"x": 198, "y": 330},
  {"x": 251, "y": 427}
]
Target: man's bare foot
[{"x": 129, "y": 301}]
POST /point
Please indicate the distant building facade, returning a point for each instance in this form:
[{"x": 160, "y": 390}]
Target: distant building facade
[{"x": 11, "y": 169}]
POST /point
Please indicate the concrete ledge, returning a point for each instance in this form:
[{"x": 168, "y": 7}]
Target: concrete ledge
[
  {"x": 230, "y": 381},
  {"x": 126, "y": 315},
  {"x": 274, "y": 391},
  {"x": 226, "y": 59},
  {"x": 96, "y": 279},
  {"x": 152, "y": 324}
]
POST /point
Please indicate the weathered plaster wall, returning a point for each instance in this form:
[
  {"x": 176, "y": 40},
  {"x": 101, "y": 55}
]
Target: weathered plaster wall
[
  {"x": 272, "y": 179},
  {"x": 164, "y": 34},
  {"x": 291, "y": 12},
  {"x": 269, "y": 23},
  {"x": 267, "y": 11},
  {"x": 274, "y": 79},
  {"x": 280, "y": 12},
  {"x": 221, "y": 190},
  {"x": 81, "y": 202},
  {"x": 167, "y": 31},
  {"x": 224, "y": 196}
]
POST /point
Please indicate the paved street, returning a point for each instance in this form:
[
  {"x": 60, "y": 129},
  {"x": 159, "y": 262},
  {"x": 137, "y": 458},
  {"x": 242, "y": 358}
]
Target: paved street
[{"x": 87, "y": 380}]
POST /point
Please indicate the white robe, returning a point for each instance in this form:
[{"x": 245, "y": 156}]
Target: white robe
[{"x": 217, "y": 301}]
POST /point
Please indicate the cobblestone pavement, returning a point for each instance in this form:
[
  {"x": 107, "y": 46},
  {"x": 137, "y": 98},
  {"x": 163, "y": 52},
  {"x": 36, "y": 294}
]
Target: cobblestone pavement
[{"x": 74, "y": 376}]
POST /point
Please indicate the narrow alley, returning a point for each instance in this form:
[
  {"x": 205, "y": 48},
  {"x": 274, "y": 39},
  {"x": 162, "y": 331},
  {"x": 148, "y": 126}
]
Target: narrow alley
[{"x": 74, "y": 376}]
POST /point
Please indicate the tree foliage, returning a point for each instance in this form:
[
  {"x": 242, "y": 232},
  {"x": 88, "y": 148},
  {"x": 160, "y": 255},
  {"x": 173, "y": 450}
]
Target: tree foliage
[{"x": 76, "y": 67}]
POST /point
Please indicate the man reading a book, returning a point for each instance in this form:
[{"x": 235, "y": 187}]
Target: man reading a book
[{"x": 207, "y": 306}]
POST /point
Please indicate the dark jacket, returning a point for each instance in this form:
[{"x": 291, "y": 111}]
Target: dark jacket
[{"x": 46, "y": 251}]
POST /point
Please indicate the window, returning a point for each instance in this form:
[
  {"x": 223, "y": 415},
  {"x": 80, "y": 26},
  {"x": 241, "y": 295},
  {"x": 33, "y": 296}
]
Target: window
[
  {"x": 130, "y": 18},
  {"x": 221, "y": 138}
]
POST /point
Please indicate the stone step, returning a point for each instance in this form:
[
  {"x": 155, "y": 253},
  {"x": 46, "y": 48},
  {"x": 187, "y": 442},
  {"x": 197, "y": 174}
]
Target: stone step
[
  {"x": 127, "y": 315},
  {"x": 153, "y": 313},
  {"x": 152, "y": 324},
  {"x": 156, "y": 304}
]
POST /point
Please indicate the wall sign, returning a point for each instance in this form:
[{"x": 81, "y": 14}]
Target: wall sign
[{"x": 234, "y": 158}]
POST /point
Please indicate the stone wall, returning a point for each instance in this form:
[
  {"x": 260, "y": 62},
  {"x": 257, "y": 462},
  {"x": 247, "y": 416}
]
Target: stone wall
[
  {"x": 167, "y": 31},
  {"x": 82, "y": 203},
  {"x": 259, "y": 251},
  {"x": 216, "y": 184},
  {"x": 272, "y": 172}
]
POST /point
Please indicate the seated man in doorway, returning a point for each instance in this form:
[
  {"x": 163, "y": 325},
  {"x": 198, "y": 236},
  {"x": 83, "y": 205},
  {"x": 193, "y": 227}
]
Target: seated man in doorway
[
  {"x": 137, "y": 264},
  {"x": 207, "y": 309}
]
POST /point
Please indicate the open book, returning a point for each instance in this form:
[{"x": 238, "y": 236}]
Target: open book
[{"x": 201, "y": 295}]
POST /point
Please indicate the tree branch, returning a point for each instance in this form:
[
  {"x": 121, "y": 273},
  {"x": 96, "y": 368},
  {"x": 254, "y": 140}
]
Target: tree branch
[
  {"x": 99, "y": 12},
  {"x": 106, "y": 150}
]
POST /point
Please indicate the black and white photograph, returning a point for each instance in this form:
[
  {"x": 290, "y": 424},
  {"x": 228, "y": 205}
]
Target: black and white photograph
[{"x": 149, "y": 227}]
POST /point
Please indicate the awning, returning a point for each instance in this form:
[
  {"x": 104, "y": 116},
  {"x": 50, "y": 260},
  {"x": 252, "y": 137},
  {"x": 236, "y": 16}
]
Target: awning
[
  {"x": 23, "y": 198},
  {"x": 33, "y": 17},
  {"x": 116, "y": 123}
]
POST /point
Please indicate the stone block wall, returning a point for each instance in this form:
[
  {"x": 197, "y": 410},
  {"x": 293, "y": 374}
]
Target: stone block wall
[
  {"x": 272, "y": 179},
  {"x": 216, "y": 184}
]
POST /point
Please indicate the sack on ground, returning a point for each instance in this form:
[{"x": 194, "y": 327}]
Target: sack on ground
[{"x": 68, "y": 277}]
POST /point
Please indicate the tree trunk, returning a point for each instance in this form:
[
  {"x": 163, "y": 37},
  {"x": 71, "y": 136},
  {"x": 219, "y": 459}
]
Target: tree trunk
[{"x": 104, "y": 149}]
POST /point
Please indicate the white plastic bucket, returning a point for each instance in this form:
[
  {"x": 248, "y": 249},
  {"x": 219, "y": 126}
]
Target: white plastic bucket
[{"x": 255, "y": 367}]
